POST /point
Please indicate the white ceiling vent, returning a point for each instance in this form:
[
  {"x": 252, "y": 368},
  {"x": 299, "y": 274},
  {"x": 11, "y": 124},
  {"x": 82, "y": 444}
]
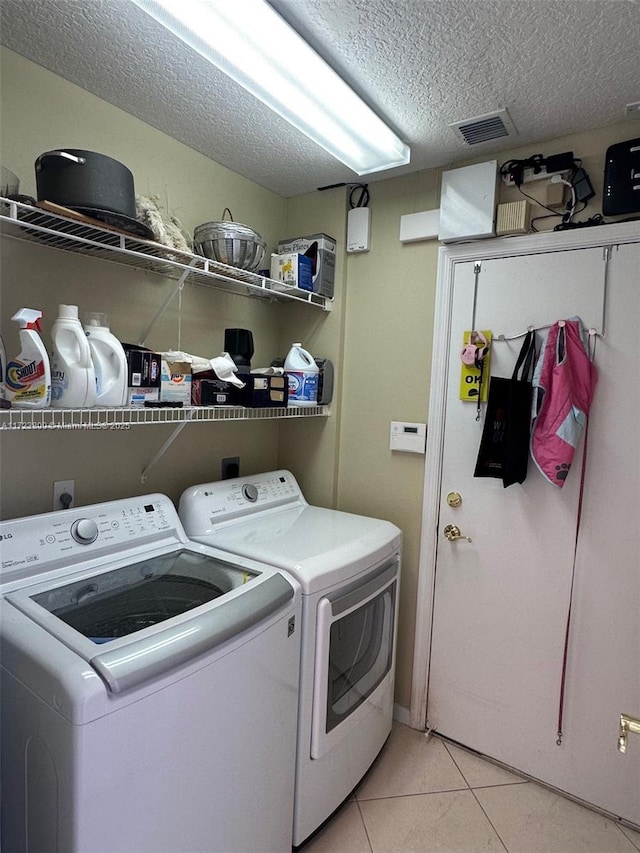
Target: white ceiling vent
[{"x": 485, "y": 128}]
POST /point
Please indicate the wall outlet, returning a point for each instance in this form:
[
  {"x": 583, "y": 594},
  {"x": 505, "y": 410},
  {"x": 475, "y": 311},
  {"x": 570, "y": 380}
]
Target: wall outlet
[
  {"x": 64, "y": 493},
  {"x": 230, "y": 467}
]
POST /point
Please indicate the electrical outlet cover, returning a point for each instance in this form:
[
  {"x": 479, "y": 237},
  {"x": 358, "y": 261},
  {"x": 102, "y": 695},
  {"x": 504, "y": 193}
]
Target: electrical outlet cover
[{"x": 62, "y": 487}]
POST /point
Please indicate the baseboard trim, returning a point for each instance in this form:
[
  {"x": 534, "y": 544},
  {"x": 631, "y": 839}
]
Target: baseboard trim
[{"x": 402, "y": 715}]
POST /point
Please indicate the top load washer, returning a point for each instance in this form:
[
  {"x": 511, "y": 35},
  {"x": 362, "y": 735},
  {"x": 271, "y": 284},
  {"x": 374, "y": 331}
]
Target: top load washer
[
  {"x": 149, "y": 687},
  {"x": 349, "y": 569}
]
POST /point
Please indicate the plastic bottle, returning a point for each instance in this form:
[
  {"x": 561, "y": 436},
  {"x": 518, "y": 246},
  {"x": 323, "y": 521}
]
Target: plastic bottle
[
  {"x": 303, "y": 377},
  {"x": 28, "y": 375},
  {"x": 109, "y": 362},
  {"x": 73, "y": 378}
]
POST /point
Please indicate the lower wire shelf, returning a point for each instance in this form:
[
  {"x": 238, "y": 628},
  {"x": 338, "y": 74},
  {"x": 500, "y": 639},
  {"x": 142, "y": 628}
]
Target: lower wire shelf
[{"x": 126, "y": 417}]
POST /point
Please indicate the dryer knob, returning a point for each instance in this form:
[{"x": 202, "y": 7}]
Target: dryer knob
[
  {"x": 250, "y": 492},
  {"x": 84, "y": 531}
]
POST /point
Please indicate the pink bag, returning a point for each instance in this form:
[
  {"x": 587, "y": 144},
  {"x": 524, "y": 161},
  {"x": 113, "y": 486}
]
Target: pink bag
[{"x": 563, "y": 386}]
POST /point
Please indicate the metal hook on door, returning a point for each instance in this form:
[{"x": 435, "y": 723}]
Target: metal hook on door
[{"x": 628, "y": 724}]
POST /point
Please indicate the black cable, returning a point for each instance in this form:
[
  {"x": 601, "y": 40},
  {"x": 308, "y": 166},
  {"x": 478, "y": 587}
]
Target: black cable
[
  {"x": 596, "y": 219},
  {"x": 537, "y": 218},
  {"x": 546, "y": 207},
  {"x": 363, "y": 199}
]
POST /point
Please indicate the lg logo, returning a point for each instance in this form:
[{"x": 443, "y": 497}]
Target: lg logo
[{"x": 6, "y": 536}]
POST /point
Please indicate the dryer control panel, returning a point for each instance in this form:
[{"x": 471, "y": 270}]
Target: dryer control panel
[{"x": 40, "y": 543}]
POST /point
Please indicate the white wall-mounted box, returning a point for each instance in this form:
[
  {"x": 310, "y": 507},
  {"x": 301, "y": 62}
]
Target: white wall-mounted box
[
  {"x": 424, "y": 225},
  {"x": 411, "y": 438},
  {"x": 358, "y": 229},
  {"x": 468, "y": 202}
]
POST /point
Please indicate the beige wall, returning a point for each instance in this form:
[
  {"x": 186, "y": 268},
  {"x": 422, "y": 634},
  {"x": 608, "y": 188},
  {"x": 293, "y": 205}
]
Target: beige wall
[{"x": 378, "y": 334}]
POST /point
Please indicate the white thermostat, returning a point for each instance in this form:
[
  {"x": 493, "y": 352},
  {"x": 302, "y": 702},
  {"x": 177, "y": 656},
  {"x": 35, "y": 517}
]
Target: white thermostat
[{"x": 411, "y": 438}]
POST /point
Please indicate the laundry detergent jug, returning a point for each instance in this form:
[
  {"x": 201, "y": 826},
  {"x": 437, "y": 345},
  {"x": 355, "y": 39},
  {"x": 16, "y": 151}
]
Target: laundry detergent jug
[
  {"x": 73, "y": 378},
  {"x": 109, "y": 361},
  {"x": 302, "y": 370}
]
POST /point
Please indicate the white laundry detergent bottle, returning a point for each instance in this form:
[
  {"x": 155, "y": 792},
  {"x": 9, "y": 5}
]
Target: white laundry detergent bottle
[
  {"x": 73, "y": 378},
  {"x": 109, "y": 361},
  {"x": 302, "y": 371},
  {"x": 28, "y": 376}
]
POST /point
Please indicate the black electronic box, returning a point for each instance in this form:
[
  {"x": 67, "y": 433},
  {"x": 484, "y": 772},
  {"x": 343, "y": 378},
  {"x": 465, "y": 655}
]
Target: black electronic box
[{"x": 621, "y": 193}]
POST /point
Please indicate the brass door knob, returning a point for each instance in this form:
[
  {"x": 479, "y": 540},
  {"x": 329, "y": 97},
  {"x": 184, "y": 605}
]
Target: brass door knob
[{"x": 452, "y": 533}]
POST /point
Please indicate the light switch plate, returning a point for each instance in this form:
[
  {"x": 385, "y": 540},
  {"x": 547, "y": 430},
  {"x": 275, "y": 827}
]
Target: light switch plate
[{"x": 408, "y": 437}]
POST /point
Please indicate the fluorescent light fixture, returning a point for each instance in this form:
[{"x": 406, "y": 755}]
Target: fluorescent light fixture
[{"x": 252, "y": 44}]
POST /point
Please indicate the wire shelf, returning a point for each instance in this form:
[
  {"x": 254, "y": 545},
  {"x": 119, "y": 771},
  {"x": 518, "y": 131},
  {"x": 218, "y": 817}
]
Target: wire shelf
[
  {"x": 26, "y": 222},
  {"x": 125, "y": 418}
]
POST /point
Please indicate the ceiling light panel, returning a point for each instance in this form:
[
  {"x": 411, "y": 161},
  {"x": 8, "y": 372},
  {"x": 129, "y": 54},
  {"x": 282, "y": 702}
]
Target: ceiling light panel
[{"x": 253, "y": 45}]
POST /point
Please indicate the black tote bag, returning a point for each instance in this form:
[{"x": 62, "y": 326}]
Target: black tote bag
[{"x": 504, "y": 446}]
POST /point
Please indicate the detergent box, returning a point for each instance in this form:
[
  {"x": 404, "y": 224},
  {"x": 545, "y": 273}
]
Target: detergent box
[
  {"x": 175, "y": 382},
  {"x": 143, "y": 367},
  {"x": 294, "y": 269},
  {"x": 321, "y": 248}
]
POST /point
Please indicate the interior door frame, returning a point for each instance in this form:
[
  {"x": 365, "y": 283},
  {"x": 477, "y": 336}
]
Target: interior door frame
[{"x": 448, "y": 259}]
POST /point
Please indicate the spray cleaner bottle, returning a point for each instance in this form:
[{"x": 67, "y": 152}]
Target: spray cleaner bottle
[
  {"x": 73, "y": 378},
  {"x": 28, "y": 375}
]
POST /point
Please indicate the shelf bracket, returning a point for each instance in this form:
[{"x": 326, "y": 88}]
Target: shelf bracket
[
  {"x": 147, "y": 331},
  {"x": 165, "y": 447}
]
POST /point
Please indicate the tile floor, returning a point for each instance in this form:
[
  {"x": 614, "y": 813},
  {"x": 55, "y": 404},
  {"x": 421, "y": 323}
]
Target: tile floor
[{"x": 428, "y": 796}]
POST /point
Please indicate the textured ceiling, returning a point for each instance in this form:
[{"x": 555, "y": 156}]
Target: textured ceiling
[{"x": 558, "y": 66}]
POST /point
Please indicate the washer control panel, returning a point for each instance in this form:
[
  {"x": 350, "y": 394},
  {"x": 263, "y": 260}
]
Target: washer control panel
[{"x": 32, "y": 545}]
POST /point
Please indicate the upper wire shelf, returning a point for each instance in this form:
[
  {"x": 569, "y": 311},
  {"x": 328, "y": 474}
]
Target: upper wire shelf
[
  {"x": 26, "y": 222},
  {"x": 124, "y": 418}
]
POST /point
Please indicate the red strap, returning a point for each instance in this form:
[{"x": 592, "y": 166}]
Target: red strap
[{"x": 573, "y": 575}]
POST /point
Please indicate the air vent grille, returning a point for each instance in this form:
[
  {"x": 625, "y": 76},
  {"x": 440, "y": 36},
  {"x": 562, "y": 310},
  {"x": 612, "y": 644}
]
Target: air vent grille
[{"x": 486, "y": 128}]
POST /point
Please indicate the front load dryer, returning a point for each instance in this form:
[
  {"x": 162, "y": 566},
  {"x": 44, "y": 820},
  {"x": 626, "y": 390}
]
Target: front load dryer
[
  {"x": 349, "y": 569},
  {"x": 149, "y": 687}
]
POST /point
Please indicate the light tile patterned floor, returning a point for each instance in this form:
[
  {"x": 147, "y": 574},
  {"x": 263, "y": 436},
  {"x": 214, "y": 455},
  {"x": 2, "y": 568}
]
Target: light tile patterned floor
[{"x": 427, "y": 796}]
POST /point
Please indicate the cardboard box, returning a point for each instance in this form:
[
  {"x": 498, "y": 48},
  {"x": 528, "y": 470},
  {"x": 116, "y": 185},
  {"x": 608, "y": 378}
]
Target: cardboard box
[
  {"x": 139, "y": 396},
  {"x": 143, "y": 367},
  {"x": 175, "y": 382},
  {"x": 321, "y": 248},
  {"x": 261, "y": 392},
  {"x": 294, "y": 269}
]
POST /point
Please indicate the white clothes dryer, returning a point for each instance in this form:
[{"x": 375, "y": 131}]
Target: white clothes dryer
[
  {"x": 349, "y": 569},
  {"x": 149, "y": 687}
]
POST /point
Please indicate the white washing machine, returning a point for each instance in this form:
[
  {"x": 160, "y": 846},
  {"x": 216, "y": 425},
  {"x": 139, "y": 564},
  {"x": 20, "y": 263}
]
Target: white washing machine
[
  {"x": 349, "y": 569},
  {"x": 149, "y": 687}
]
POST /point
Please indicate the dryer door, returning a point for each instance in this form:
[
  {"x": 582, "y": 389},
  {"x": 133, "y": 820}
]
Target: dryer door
[{"x": 355, "y": 656}]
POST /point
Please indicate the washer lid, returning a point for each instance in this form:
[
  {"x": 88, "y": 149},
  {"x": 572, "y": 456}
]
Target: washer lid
[
  {"x": 319, "y": 547},
  {"x": 137, "y": 621}
]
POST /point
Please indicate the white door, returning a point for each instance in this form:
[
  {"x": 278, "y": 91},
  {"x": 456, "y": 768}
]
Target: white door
[{"x": 501, "y": 600}]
